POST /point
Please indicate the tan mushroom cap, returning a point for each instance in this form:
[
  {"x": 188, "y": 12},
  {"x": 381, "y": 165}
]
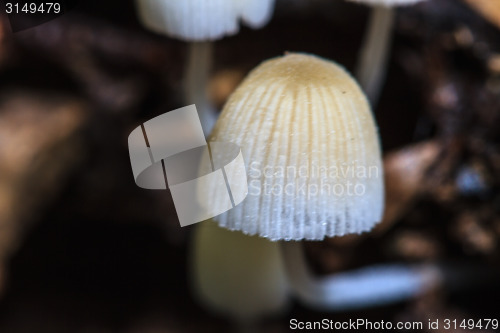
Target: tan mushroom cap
[
  {"x": 311, "y": 150},
  {"x": 201, "y": 20}
]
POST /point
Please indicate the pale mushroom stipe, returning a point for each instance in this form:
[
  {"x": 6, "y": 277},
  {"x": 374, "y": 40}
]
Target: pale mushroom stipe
[
  {"x": 372, "y": 63},
  {"x": 312, "y": 151},
  {"x": 293, "y": 112},
  {"x": 200, "y": 22},
  {"x": 237, "y": 275}
]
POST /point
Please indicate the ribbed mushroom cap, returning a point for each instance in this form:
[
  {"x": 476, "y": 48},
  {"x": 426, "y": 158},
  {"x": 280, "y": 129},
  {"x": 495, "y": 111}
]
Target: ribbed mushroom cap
[
  {"x": 387, "y": 2},
  {"x": 311, "y": 150},
  {"x": 200, "y": 20}
]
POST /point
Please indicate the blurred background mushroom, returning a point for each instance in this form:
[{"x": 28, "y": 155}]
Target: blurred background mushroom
[
  {"x": 199, "y": 22},
  {"x": 373, "y": 57}
]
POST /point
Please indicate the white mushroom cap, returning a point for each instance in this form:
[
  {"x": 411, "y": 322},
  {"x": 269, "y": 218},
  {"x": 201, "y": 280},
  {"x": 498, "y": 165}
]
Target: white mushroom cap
[
  {"x": 199, "y": 20},
  {"x": 311, "y": 150},
  {"x": 387, "y": 2}
]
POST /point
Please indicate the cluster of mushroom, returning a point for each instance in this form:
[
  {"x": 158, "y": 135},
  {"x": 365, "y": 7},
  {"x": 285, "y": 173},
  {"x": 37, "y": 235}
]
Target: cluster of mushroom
[{"x": 313, "y": 158}]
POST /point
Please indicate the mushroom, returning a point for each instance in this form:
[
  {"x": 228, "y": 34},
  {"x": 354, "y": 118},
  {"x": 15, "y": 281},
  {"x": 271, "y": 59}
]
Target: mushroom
[
  {"x": 237, "y": 275},
  {"x": 372, "y": 62},
  {"x": 200, "y": 22},
  {"x": 290, "y": 113}
]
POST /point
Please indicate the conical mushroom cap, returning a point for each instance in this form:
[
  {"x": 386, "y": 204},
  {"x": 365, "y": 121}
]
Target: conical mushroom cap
[
  {"x": 311, "y": 150},
  {"x": 201, "y": 20}
]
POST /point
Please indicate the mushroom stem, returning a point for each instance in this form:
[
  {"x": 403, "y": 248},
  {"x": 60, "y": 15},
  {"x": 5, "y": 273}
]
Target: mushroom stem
[
  {"x": 196, "y": 77},
  {"x": 372, "y": 63},
  {"x": 366, "y": 287},
  {"x": 237, "y": 275}
]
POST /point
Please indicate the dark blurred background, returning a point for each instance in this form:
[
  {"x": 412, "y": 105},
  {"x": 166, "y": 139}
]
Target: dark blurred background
[{"x": 83, "y": 249}]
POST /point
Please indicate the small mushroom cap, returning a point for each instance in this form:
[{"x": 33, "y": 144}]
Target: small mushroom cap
[
  {"x": 201, "y": 20},
  {"x": 387, "y": 2},
  {"x": 311, "y": 150}
]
